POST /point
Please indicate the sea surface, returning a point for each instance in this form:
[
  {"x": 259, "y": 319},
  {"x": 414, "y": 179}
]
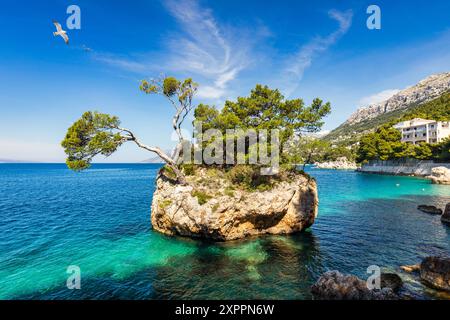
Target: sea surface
[{"x": 99, "y": 220}]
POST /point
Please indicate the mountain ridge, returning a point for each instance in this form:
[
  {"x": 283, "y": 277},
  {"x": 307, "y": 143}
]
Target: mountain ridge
[
  {"x": 366, "y": 119},
  {"x": 425, "y": 90}
]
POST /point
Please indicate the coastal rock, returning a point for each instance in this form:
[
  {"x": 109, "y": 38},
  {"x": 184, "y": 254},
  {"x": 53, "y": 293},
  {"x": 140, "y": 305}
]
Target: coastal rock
[
  {"x": 445, "y": 218},
  {"x": 411, "y": 268},
  {"x": 440, "y": 175},
  {"x": 392, "y": 281},
  {"x": 334, "y": 285},
  {"x": 199, "y": 210},
  {"x": 435, "y": 272},
  {"x": 429, "y": 209},
  {"x": 340, "y": 163}
]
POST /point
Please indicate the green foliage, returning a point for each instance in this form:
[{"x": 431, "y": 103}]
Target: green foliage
[
  {"x": 442, "y": 150},
  {"x": 309, "y": 150},
  {"x": 261, "y": 183},
  {"x": 168, "y": 172},
  {"x": 214, "y": 172},
  {"x": 89, "y": 136},
  {"x": 215, "y": 207},
  {"x": 207, "y": 115},
  {"x": 188, "y": 169},
  {"x": 385, "y": 144},
  {"x": 165, "y": 203},
  {"x": 249, "y": 178},
  {"x": 229, "y": 191},
  {"x": 423, "y": 151},
  {"x": 241, "y": 175},
  {"x": 263, "y": 109},
  {"x": 170, "y": 87},
  {"x": 338, "y": 151},
  {"x": 437, "y": 109},
  {"x": 202, "y": 197},
  {"x": 96, "y": 133}
]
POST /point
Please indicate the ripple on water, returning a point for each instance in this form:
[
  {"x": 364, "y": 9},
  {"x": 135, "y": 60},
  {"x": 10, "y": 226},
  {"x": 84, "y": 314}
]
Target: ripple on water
[{"x": 99, "y": 220}]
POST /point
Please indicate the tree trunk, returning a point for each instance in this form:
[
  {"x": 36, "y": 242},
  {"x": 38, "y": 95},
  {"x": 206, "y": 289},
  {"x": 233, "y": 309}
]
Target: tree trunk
[
  {"x": 181, "y": 179},
  {"x": 167, "y": 159}
]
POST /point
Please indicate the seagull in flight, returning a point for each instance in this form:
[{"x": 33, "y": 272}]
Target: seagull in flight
[{"x": 60, "y": 32}]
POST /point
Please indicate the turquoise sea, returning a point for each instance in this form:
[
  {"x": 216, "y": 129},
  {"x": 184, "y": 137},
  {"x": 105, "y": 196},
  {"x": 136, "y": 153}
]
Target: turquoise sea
[{"x": 99, "y": 220}]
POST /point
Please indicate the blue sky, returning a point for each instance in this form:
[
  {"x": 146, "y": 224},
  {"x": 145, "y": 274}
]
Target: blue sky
[{"x": 306, "y": 49}]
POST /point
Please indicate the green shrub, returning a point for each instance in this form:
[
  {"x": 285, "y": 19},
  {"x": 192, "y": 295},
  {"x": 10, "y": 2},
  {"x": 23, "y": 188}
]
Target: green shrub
[
  {"x": 164, "y": 204},
  {"x": 261, "y": 183},
  {"x": 229, "y": 191},
  {"x": 202, "y": 197},
  {"x": 250, "y": 178},
  {"x": 168, "y": 172},
  {"x": 188, "y": 169},
  {"x": 241, "y": 175},
  {"x": 213, "y": 172}
]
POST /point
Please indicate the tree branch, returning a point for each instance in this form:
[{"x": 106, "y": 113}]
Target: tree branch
[{"x": 167, "y": 159}]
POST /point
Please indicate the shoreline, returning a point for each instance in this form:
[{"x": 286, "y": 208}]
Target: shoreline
[{"x": 404, "y": 167}]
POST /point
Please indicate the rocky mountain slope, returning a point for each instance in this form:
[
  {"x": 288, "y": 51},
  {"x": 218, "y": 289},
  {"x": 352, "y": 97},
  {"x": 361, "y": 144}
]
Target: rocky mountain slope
[
  {"x": 426, "y": 90},
  {"x": 367, "y": 118}
]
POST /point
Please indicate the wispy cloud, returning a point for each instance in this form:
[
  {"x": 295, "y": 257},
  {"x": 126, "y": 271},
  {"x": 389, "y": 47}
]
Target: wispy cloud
[
  {"x": 207, "y": 50},
  {"x": 215, "y": 55},
  {"x": 377, "y": 97},
  {"x": 203, "y": 49},
  {"x": 124, "y": 62},
  {"x": 300, "y": 61}
]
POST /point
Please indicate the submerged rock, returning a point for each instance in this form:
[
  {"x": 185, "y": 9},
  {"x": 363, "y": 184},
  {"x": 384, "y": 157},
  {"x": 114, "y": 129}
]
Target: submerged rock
[
  {"x": 440, "y": 175},
  {"x": 333, "y": 285},
  {"x": 207, "y": 207},
  {"x": 435, "y": 272},
  {"x": 445, "y": 218},
  {"x": 429, "y": 209}
]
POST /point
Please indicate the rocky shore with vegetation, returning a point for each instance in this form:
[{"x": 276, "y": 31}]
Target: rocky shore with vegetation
[
  {"x": 433, "y": 272},
  {"x": 369, "y": 134},
  {"x": 341, "y": 163},
  {"x": 231, "y": 204},
  {"x": 438, "y": 173},
  {"x": 222, "y": 184}
]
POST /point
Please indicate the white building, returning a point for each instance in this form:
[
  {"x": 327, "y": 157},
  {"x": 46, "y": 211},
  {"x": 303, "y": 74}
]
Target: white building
[{"x": 421, "y": 130}]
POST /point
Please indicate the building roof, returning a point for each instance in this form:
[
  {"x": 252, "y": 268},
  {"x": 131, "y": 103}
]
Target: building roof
[{"x": 413, "y": 122}]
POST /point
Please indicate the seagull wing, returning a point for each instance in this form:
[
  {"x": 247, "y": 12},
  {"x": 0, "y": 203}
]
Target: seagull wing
[
  {"x": 65, "y": 37},
  {"x": 57, "y": 25}
]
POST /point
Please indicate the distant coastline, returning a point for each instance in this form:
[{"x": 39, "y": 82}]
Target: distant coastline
[{"x": 17, "y": 161}]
